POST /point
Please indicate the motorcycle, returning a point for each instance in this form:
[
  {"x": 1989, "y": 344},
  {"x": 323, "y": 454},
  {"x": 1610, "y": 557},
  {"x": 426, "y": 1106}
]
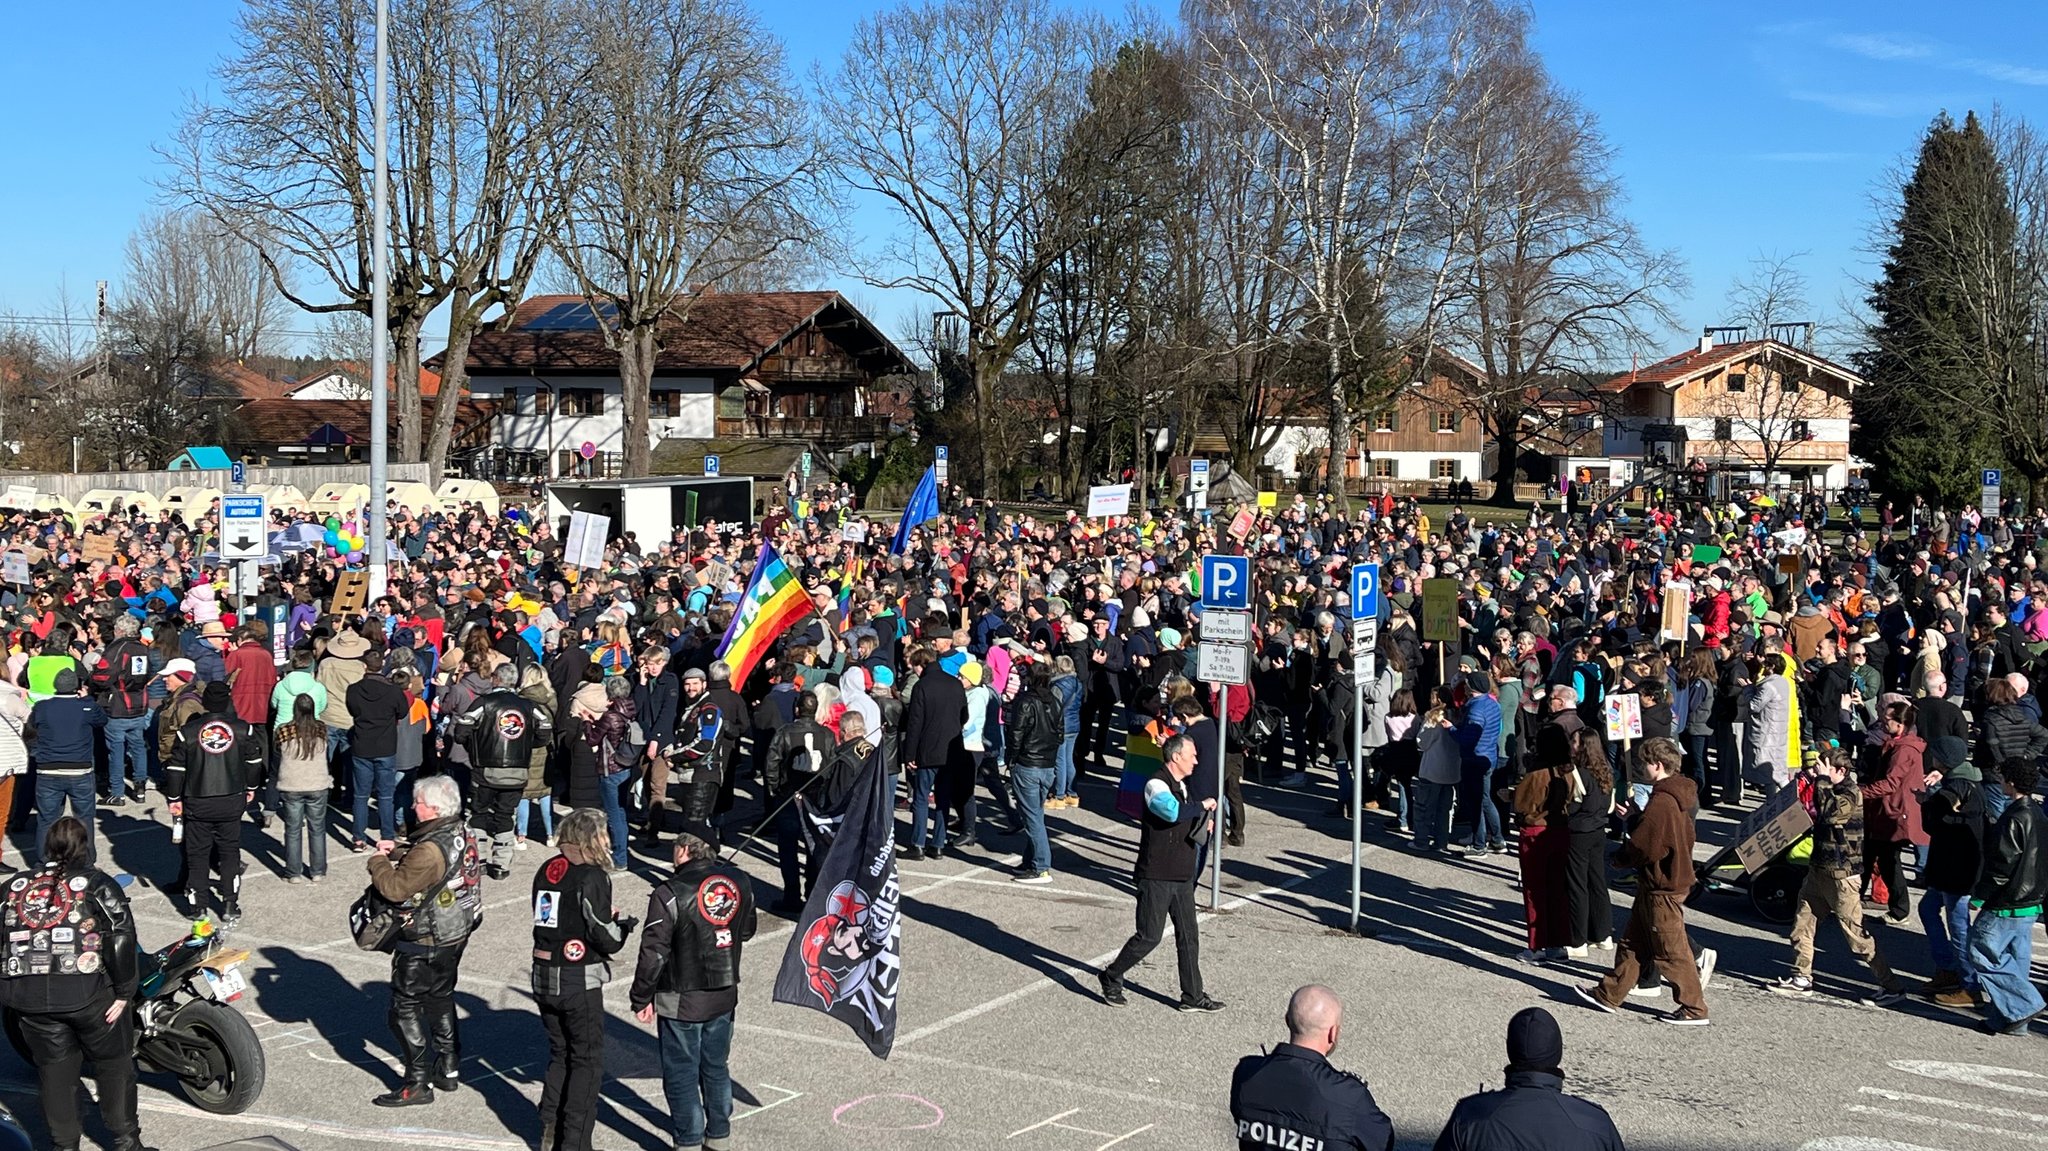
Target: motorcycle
[{"x": 186, "y": 1026}]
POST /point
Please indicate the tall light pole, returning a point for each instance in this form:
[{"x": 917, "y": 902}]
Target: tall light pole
[{"x": 380, "y": 372}]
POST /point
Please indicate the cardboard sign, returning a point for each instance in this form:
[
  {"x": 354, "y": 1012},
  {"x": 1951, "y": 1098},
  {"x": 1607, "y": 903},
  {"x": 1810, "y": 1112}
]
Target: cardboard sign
[
  {"x": 99, "y": 548},
  {"x": 1269, "y": 499},
  {"x": 1677, "y": 607},
  {"x": 1706, "y": 553},
  {"x": 1241, "y": 524},
  {"x": 853, "y": 531},
  {"x": 1439, "y": 610},
  {"x": 1790, "y": 565},
  {"x": 1625, "y": 716},
  {"x": 19, "y": 498},
  {"x": 351, "y": 594},
  {"x": 717, "y": 574},
  {"x": 14, "y": 567},
  {"x": 1109, "y": 500},
  {"x": 1771, "y": 829}
]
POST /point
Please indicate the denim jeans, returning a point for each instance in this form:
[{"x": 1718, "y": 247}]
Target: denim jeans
[
  {"x": 696, "y": 1080},
  {"x": 922, "y": 781},
  {"x": 127, "y": 754},
  {"x": 546, "y": 806},
  {"x": 2002, "y": 950},
  {"x": 1433, "y": 814},
  {"x": 380, "y": 774},
  {"x": 1063, "y": 768},
  {"x": 1946, "y": 917},
  {"x": 304, "y": 812},
  {"x": 609, "y": 791},
  {"x": 52, "y": 790},
  {"x": 1034, "y": 786},
  {"x": 1489, "y": 830}
]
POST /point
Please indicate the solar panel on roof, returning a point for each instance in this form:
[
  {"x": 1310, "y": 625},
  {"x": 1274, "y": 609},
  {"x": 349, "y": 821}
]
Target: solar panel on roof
[{"x": 574, "y": 316}]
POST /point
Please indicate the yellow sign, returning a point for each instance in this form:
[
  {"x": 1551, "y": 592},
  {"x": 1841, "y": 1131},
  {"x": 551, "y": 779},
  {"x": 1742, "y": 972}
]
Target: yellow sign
[
  {"x": 1439, "y": 609},
  {"x": 1269, "y": 499}
]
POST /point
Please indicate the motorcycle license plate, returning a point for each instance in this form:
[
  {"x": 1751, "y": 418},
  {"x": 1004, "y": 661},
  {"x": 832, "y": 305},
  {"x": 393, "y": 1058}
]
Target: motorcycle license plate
[{"x": 227, "y": 985}]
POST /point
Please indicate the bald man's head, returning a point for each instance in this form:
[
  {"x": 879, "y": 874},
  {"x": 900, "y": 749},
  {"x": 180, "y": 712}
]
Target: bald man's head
[{"x": 1313, "y": 1016}]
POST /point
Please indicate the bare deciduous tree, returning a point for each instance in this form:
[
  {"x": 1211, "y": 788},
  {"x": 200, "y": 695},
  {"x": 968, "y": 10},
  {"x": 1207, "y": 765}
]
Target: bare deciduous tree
[
  {"x": 182, "y": 263},
  {"x": 1341, "y": 108},
  {"x": 283, "y": 158},
  {"x": 1548, "y": 282},
  {"x": 958, "y": 114},
  {"x": 695, "y": 164}
]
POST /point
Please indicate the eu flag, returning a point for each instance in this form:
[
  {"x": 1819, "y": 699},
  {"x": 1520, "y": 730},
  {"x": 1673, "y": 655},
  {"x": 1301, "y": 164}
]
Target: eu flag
[{"x": 923, "y": 506}]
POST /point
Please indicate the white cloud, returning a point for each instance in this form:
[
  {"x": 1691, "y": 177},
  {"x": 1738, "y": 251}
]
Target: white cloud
[
  {"x": 2010, "y": 73},
  {"x": 1868, "y": 103},
  {"x": 1878, "y": 46}
]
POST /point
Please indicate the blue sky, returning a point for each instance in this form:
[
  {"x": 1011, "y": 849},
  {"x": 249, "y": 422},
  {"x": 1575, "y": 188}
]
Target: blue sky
[{"x": 1739, "y": 127}]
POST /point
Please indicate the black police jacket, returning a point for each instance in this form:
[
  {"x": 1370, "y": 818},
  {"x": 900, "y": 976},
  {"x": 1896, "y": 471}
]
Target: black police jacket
[
  {"x": 68, "y": 936},
  {"x": 218, "y": 755},
  {"x": 696, "y": 923},
  {"x": 1532, "y": 1113},
  {"x": 1293, "y": 1100}
]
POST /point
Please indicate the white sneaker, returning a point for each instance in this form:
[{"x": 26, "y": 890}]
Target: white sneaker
[
  {"x": 1603, "y": 945},
  {"x": 1577, "y": 952},
  {"x": 519, "y": 844},
  {"x": 1707, "y": 958},
  {"x": 1651, "y": 992}
]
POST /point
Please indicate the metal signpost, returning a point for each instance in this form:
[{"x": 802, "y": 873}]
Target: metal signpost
[
  {"x": 1226, "y": 588},
  {"x": 243, "y": 537},
  {"x": 1198, "y": 484},
  {"x": 1365, "y": 626},
  {"x": 1988, "y": 497}
]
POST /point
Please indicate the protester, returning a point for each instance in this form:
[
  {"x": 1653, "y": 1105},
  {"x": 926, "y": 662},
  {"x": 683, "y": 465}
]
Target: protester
[
  {"x": 1833, "y": 884},
  {"x": 576, "y": 932},
  {"x": 687, "y": 984},
  {"x": 1173, "y": 829}
]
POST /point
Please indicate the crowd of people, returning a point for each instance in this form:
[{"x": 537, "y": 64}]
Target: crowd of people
[{"x": 494, "y": 699}]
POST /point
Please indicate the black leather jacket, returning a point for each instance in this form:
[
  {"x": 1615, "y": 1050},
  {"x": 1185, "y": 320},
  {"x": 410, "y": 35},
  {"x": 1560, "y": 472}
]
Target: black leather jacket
[
  {"x": 2016, "y": 859},
  {"x": 218, "y": 755},
  {"x": 1035, "y": 730},
  {"x": 696, "y": 923},
  {"x": 43, "y": 974},
  {"x": 796, "y": 754},
  {"x": 501, "y": 731}
]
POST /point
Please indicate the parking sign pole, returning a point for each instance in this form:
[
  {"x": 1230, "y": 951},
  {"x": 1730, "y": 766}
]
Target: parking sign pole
[{"x": 1216, "y": 835}]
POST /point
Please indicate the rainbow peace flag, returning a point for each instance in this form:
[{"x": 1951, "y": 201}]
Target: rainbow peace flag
[
  {"x": 1141, "y": 760},
  {"x": 773, "y": 601}
]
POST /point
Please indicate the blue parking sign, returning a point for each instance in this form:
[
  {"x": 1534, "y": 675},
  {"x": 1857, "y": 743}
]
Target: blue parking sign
[
  {"x": 1365, "y": 591},
  {"x": 1226, "y": 583}
]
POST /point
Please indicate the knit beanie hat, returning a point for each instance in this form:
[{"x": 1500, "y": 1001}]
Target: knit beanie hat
[
  {"x": 217, "y": 697},
  {"x": 1534, "y": 1042}
]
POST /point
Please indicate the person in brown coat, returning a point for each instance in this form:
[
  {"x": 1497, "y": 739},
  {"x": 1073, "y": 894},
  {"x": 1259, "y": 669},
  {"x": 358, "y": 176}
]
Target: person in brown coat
[
  {"x": 1661, "y": 851},
  {"x": 1891, "y": 806},
  {"x": 1543, "y": 841}
]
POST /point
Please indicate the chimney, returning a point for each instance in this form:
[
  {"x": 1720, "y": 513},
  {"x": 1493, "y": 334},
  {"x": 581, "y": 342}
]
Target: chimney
[{"x": 1706, "y": 342}]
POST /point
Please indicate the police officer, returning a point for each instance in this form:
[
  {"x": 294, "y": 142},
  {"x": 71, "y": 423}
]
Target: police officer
[
  {"x": 1532, "y": 1112},
  {"x": 501, "y": 731},
  {"x": 1292, "y": 1097},
  {"x": 220, "y": 764},
  {"x": 576, "y": 931},
  {"x": 439, "y": 879},
  {"x": 69, "y": 973},
  {"x": 688, "y": 978}
]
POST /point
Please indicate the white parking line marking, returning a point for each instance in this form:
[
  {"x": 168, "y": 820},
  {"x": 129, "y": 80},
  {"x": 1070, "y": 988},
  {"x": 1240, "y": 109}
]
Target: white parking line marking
[
  {"x": 1092, "y": 965},
  {"x": 1946, "y": 1124},
  {"x": 1937, "y": 1101}
]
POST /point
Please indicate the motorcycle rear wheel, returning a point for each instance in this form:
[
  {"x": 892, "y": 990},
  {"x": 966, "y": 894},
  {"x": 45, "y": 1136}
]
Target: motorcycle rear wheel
[{"x": 214, "y": 1054}]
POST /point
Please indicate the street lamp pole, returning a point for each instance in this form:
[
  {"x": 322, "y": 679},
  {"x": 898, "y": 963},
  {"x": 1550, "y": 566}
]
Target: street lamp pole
[{"x": 380, "y": 371}]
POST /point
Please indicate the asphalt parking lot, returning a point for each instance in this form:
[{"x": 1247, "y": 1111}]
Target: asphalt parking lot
[{"x": 1002, "y": 1041}]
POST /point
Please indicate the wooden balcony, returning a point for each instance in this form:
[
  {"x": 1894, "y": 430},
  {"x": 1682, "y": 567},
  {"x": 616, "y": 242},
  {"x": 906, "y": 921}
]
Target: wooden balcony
[{"x": 823, "y": 429}]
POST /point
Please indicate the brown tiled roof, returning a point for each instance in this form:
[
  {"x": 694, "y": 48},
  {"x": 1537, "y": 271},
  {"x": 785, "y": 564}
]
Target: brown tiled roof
[
  {"x": 723, "y": 332},
  {"x": 249, "y": 383},
  {"x": 430, "y": 380},
  {"x": 288, "y": 421},
  {"x": 1683, "y": 365}
]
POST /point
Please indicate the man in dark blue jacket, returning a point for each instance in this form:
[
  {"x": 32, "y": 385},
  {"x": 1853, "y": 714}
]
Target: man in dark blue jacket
[
  {"x": 1292, "y": 1097},
  {"x": 1532, "y": 1112}
]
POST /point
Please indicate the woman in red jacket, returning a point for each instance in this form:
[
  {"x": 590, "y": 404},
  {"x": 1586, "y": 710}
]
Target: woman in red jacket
[{"x": 1891, "y": 808}]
